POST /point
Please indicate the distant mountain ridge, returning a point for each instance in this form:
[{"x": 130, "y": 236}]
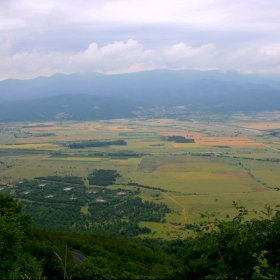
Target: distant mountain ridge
[
  {"x": 146, "y": 84},
  {"x": 98, "y": 96}
]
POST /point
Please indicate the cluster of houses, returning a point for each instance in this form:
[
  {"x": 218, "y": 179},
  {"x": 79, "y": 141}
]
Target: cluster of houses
[
  {"x": 104, "y": 200},
  {"x": 121, "y": 193}
]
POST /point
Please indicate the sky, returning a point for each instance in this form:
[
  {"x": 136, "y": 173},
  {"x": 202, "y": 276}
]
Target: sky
[{"x": 40, "y": 38}]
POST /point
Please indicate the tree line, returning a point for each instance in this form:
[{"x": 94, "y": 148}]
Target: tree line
[{"x": 94, "y": 144}]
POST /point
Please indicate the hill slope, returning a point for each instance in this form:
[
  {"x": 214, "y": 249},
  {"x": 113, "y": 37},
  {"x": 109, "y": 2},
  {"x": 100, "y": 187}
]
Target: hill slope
[
  {"x": 148, "y": 85},
  {"x": 67, "y": 107}
]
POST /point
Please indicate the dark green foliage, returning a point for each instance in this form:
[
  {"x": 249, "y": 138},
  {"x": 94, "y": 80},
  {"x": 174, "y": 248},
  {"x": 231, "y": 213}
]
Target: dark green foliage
[
  {"x": 52, "y": 192},
  {"x": 93, "y": 144},
  {"x": 146, "y": 187},
  {"x": 179, "y": 139},
  {"x": 108, "y": 212},
  {"x": 39, "y": 253},
  {"x": 237, "y": 249},
  {"x": 103, "y": 177},
  {"x": 13, "y": 260},
  {"x": 109, "y": 257},
  {"x": 67, "y": 179},
  {"x": 10, "y": 236},
  {"x": 122, "y": 215},
  {"x": 119, "y": 215},
  {"x": 56, "y": 216}
]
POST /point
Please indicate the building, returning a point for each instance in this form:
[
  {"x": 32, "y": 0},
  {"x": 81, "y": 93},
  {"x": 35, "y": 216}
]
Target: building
[{"x": 121, "y": 193}]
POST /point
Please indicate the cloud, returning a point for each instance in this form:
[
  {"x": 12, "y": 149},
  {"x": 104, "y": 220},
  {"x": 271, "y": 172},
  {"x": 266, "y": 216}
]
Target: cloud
[
  {"x": 45, "y": 37},
  {"x": 264, "y": 59},
  {"x": 237, "y": 15},
  {"x": 181, "y": 56},
  {"x": 116, "y": 57},
  {"x": 131, "y": 56}
]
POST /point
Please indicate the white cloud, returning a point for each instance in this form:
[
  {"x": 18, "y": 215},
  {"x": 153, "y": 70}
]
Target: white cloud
[
  {"x": 265, "y": 59},
  {"x": 40, "y": 37},
  {"x": 116, "y": 57},
  {"x": 130, "y": 56},
  {"x": 181, "y": 56}
]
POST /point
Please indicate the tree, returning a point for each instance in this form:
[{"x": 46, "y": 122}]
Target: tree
[
  {"x": 14, "y": 263},
  {"x": 237, "y": 249}
]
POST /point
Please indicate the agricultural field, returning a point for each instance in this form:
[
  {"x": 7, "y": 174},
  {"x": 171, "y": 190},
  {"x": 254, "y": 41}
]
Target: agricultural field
[{"x": 234, "y": 159}]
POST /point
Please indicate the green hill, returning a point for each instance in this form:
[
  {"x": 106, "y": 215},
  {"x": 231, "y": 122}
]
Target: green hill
[{"x": 67, "y": 107}]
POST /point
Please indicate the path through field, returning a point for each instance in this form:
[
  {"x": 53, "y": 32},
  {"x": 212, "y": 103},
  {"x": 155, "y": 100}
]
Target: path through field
[
  {"x": 270, "y": 147},
  {"x": 184, "y": 208}
]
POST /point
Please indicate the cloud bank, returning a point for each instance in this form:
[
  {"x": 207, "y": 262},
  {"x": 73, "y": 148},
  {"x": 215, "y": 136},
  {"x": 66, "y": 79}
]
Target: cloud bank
[
  {"x": 131, "y": 56},
  {"x": 118, "y": 36}
]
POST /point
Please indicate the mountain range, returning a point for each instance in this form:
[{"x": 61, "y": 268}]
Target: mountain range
[{"x": 99, "y": 96}]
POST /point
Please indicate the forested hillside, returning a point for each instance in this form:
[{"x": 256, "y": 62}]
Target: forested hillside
[
  {"x": 237, "y": 249},
  {"x": 149, "y": 85},
  {"x": 67, "y": 107}
]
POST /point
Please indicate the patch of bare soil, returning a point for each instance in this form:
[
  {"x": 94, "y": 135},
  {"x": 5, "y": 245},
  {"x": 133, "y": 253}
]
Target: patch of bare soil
[{"x": 177, "y": 227}]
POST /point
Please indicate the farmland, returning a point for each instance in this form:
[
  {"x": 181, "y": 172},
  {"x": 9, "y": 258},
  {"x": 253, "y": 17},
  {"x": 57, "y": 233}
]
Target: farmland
[{"x": 232, "y": 159}]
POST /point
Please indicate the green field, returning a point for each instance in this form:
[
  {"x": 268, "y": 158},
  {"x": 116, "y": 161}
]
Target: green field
[{"x": 192, "y": 178}]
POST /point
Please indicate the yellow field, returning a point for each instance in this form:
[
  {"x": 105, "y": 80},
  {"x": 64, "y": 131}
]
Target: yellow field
[
  {"x": 76, "y": 159},
  {"x": 262, "y": 126},
  {"x": 187, "y": 134},
  {"x": 118, "y": 128},
  {"x": 197, "y": 182},
  {"x": 27, "y": 146},
  {"x": 221, "y": 141},
  {"x": 43, "y": 128}
]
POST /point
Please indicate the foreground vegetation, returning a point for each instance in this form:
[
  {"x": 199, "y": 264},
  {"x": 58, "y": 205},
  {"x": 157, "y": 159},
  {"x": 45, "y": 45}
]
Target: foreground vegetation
[{"x": 236, "y": 249}]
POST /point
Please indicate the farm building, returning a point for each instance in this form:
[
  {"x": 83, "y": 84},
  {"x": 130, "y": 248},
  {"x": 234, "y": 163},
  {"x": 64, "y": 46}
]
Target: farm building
[
  {"x": 92, "y": 191},
  {"x": 100, "y": 200},
  {"x": 121, "y": 193}
]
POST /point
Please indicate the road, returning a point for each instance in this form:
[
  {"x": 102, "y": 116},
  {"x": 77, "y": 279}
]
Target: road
[{"x": 78, "y": 258}]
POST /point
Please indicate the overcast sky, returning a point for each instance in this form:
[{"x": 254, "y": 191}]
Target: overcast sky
[{"x": 40, "y": 38}]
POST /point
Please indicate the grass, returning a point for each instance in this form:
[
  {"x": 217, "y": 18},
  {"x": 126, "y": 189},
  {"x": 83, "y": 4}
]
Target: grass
[
  {"x": 84, "y": 209},
  {"x": 193, "y": 183}
]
